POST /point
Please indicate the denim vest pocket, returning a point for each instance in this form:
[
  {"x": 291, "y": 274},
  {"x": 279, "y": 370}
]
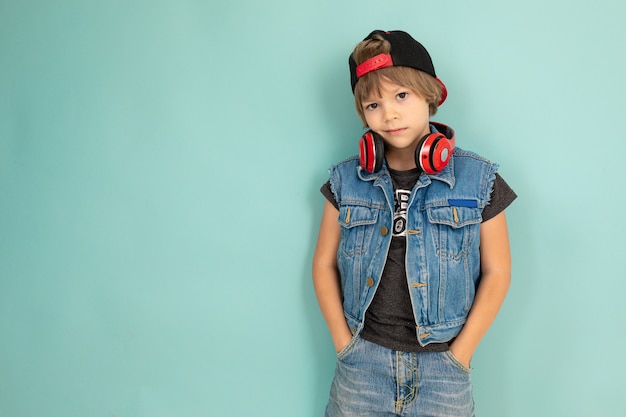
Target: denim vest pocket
[
  {"x": 356, "y": 230},
  {"x": 453, "y": 229}
]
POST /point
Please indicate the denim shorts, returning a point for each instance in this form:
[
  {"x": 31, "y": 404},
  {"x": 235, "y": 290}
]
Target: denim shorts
[{"x": 373, "y": 381}]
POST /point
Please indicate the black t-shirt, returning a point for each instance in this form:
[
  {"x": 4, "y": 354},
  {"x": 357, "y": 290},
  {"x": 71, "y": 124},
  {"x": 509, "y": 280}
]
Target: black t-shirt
[{"x": 389, "y": 319}]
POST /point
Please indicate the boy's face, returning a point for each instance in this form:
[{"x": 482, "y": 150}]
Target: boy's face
[{"x": 399, "y": 115}]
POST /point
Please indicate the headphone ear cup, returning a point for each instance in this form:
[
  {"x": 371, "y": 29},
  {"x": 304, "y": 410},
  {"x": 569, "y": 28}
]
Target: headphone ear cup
[
  {"x": 433, "y": 153},
  {"x": 442, "y": 152},
  {"x": 371, "y": 151}
]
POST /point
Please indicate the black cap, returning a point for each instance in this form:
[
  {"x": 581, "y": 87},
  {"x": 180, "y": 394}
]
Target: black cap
[{"x": 405, "y": 52}]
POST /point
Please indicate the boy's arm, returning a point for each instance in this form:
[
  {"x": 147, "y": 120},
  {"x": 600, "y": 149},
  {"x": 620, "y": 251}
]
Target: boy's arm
[
  {"x": 495, "y": 263},
  {"x": 326, "y": 278}
]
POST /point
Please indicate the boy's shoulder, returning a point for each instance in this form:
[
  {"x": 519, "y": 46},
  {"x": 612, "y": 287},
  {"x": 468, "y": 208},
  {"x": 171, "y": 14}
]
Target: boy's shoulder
[
  {"x": 469, "y": 169},
  {"x": 353, "y": 160},
  {"x": 460, "y": 153}
]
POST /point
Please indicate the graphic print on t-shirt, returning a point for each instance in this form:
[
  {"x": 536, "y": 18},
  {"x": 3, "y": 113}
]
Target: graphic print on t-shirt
[{"x": 399, "y": 218}]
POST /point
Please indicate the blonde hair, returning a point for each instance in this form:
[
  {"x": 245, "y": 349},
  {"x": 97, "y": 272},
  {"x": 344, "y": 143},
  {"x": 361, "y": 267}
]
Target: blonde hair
[{"x": 418, "y": 81}]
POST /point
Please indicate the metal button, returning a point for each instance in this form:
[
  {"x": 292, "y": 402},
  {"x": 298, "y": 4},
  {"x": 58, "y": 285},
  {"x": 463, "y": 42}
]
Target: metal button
[
  {"x": 384, "y": 231},
  {"x": 370, "y": 282}
]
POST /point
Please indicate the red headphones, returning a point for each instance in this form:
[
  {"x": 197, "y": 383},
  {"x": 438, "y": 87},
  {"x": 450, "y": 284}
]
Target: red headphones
[{"x": 432, "y": 154}]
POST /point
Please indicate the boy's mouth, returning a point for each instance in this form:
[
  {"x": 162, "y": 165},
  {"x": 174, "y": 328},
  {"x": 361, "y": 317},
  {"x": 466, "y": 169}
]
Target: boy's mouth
[{"x": 395, "y": 131}]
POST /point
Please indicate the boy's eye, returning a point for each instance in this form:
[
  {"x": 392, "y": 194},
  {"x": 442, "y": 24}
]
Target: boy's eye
[
  {"x": 371, "y": 106},
  {"x": 402, "y": 96}
]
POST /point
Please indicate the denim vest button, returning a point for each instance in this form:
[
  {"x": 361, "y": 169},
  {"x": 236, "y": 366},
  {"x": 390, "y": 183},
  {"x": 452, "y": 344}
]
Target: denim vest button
[
  {"x": 370, "y": 282},
  {"x": 384, "y": 231}
]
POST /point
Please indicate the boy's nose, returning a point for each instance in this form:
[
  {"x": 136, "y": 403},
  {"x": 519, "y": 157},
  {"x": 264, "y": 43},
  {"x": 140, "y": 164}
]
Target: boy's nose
[{"x": 390, "y": 113}]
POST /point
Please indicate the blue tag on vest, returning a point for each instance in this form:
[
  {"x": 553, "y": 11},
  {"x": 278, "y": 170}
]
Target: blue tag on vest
[{"x": 463, "y": 203}]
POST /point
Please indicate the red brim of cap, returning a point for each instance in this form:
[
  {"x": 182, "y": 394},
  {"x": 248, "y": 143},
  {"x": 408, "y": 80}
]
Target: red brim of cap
[{"x": 444, "y": 92}]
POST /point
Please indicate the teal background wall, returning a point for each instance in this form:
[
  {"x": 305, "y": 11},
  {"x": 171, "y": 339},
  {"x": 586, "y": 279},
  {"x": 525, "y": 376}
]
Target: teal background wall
[{"x": 159, "y": 171}]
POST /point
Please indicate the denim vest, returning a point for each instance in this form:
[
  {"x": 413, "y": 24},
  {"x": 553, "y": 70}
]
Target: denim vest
[{"x": 443, "y": 237}]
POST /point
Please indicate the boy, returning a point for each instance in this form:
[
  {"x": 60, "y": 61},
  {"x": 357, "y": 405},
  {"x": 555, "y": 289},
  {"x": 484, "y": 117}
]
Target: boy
[{"x": 412, "y": 262}]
